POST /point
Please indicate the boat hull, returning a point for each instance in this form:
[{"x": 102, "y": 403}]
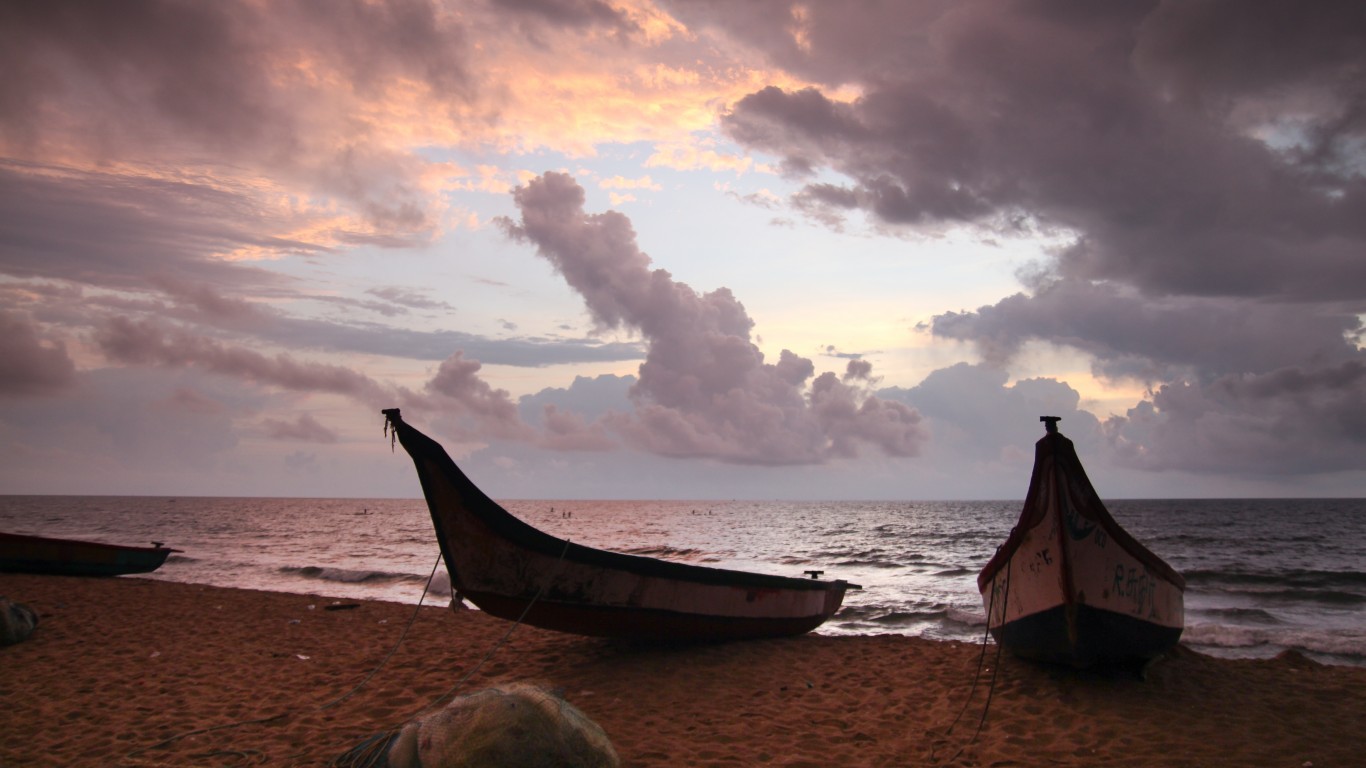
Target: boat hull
[
  {"x": 1070, "y": 585},
  {"x": 514, "y": 571},
  {"x": 71, "y": 557},
  {"x": 1101, "y": 637},
  {"x": 650, "y": 625}
]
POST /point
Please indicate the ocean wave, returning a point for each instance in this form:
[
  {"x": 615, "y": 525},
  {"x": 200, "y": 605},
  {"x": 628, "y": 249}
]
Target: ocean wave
[
  {"x": 966, "y": 618},
  {"x": 667, "y": 552},
  {"x": 348, "y": 576},
  {"x": 1256, "y": 615},
  {"x": 1306, "y": 578},
  {"x": 1343, "y": 643},
  {"x": 868, "y": 563},
  {"x": 895, "y": 618}
]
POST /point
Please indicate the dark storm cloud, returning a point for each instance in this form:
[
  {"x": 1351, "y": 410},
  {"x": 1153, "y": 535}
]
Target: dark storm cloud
[
  {"x": 704, "y": 388},
  {"x": 1284, "y": 422},
  {"x": 1040, "y": 109},
  {"x": 1203, "y": 164},
  {"x": 1153, "y": 339}
]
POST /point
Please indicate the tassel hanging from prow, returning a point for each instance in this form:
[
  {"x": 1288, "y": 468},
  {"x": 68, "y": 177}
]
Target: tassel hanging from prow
[{"x": 391, "y": 419}]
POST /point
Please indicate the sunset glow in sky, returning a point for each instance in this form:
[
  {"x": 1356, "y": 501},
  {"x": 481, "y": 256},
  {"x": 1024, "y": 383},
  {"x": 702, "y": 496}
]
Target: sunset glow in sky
[{"x": 682, "y": 248}]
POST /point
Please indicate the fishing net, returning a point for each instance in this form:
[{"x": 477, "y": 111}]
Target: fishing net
[
  {"x": 513, "y": 726},
  {"x": 16, "y": 622}
]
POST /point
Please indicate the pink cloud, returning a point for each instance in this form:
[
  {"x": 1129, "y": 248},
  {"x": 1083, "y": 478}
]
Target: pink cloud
[
  {"x": 29, "y": 364},
  {"x": 704, "y": 388},
  {"x": 305, "y": 428}
]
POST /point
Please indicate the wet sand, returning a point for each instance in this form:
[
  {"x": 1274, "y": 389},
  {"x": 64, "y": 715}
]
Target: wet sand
[{"x": 136, "y": 672}]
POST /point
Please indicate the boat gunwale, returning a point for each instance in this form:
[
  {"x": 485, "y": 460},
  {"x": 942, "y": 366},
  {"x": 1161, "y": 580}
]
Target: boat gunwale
[
  {"x": 1064, "y": 460},
  {"x": 522, "y": 534}
]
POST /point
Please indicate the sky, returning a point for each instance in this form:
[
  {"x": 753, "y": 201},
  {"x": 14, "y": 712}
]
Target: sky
[{"x": 692, "y": 249}]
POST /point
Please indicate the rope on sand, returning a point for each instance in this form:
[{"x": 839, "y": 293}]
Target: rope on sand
[
  {"x": 372, "y": 752},
  {"x": 334, "y": 702},
  {"x": 977, "y": 675}
]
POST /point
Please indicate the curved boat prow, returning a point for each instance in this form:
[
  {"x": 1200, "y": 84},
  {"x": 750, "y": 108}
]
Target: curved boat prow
[
  {"x": 515, "y": 571},
  {"x": 1069, "y": 584}
]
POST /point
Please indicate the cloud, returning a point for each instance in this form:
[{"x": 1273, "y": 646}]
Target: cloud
[
  {"x": 257, "y": 123},
  {"x": 704, "y": 389},
  {"x": 569, "y": 431},
  {"x": 29, "y": 364},
  {"x": 455, "y": 389},
  {"x": 204, "y": 306},
  {"x": 150, "y": 343},
  {"x": 220, "y": 75},
  {"x": 458, "y": 379},
  {"x": 1284, "y": 422},
  {"x": 570, "y": 13},
  {"x": 114, "y": 230},
  {"x": 305, "y": 428},
  {"x": 1156, "y": 339},
  {"x": 1200, "y": 168},
  {"x": 976, "y": 415},
  {"x": 591, "y": 398},
  {"x": 414, "y": 298},
  {"x": 1153, "y": 135}
]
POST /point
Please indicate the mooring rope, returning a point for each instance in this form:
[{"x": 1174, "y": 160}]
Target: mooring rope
[
  {"x": 372, "y": 751},
  {"x": 393, "y": 650},
  {"x": 451, "y": 691},
  {"x": 977, "y": 675},
  {"x": 334, "y": 702}
]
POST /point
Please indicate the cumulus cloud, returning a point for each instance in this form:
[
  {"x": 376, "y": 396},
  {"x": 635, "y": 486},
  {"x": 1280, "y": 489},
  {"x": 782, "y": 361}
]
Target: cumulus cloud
[
  {"x": 704, "y": 389},
  {"x": 1200, "y": 164},
  {"x": 458, "y": 379},
  {"x": 30, "y": 364},
  {"x": 977, "y": 414},
  {"x": 1283, "y": 422}
]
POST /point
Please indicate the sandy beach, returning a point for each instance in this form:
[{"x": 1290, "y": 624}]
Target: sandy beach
[{"x": 136, "y": 672}]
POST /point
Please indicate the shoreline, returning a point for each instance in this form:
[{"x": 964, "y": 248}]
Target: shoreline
[{"x": 119, "y": 666}]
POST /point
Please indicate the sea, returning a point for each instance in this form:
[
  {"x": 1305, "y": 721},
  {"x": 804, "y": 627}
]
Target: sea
[{"x": 1263, "y": 575}]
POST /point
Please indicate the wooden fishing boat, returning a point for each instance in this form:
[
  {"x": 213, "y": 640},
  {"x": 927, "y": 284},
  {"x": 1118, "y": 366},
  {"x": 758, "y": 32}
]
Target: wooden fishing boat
[
  {"x": 514, "y": 571},
  {"x": 1070, "y": 585},
  {"x": 71, "y": 557}
]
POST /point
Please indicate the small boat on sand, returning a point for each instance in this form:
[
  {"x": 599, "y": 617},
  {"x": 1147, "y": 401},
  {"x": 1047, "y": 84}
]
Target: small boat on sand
[
  {"x": 1069, "y": 585},
  {"x": 71, "y": 557},
  {"x": 514, "y": 571}
]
